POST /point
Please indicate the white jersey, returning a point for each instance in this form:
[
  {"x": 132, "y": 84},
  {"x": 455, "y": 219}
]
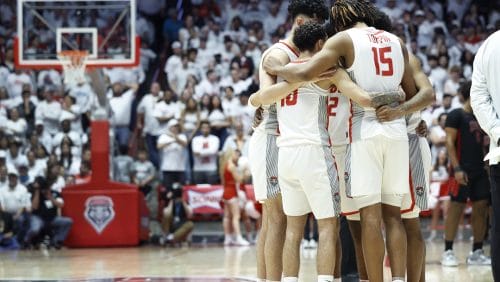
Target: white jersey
[
  {"x": 412, "y": 121},
  {"x": 339, "y": 117},
  {"x": 303, "y": 118},
  {"x": 269, "y": 122},
  {"x": 378, "y": 67}
]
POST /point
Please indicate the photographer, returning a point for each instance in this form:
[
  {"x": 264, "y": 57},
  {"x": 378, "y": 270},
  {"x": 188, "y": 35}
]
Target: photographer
[
  {"x": 7, "y": 239},
  {"x": 46, "y": 204},
  {"x": 176, "y": 215}
]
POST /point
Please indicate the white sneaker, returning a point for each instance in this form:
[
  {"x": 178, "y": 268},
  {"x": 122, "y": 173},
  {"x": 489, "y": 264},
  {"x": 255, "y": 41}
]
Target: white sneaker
[
  {"x": 432, "y": 236},
  {"x": 228, "y": 241},
  {"x": 449, "y": 259},
  {"x": 478, "y": 258},
  {"x": 241, "y": 242},
  {"x": 313, "y": 244}
]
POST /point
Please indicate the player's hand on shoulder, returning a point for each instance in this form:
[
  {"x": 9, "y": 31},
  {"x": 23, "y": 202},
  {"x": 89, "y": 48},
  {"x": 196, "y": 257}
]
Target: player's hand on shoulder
[
  {"x": 422, "y": 129},
  {"x": 272, "y": 64},
  {"x": 257, "y": 118}
]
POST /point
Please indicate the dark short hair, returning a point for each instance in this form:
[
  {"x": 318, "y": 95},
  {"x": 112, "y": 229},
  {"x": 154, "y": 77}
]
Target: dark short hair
[
  {"x": 307, "y": 35},
  {"x": 464, "y": 89},
  {"x": 311, "y": 8},
  {"x": 204, "y": 122},
  {"x": 382, "y": 21}
]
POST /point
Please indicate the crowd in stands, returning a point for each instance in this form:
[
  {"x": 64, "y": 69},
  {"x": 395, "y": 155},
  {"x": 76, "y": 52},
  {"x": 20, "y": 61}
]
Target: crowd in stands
[{"x": 186, "y": 102}]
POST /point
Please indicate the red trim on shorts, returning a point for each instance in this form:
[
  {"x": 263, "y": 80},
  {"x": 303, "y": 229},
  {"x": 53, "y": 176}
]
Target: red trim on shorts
[
  {"x": 412, "y": 196},
  {"x": 349, "y": 213},
  {"x": 290, "y": 47}
]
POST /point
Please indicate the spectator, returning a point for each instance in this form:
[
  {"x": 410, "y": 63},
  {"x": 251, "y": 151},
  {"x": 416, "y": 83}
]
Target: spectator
[
  {"x": 15, "y": 200},
  {"x": 143, "y": 172},
  {"x": 49, "y": 111},
  {"x": 165, "y": 110},
  {"x": 394, "y": 12},
  {"x": 72, "y": 112},
  {"x": 437, "y": 135},
  {"x": 230, "y": 104},
  {"x": 85, "y": 174},
  {"x": 43, "y": 136},
  {"x": 122, "y": 166},
  {"x": 179, "y": 78},
  {"x": 16, "y": 125},
  {"x": 171, "y": 26},
  {"x": 172, "y": 144},
  {"x": 121, "y": 107},
  {"x": 67, "y": 133},
  {"x": 16, "y": 82},
  {"x": 188, "y": 32},
  {"x": 176, "y": 217},
  {"x": 205, "y": 150},
  {"x": 174, "y": 62},
  {"x": 190, "y": 119},
  {"x": 209, "y": 85},
  {"x": 4, "y": 180},
  {"x": 35, "y": 168},
  {"x": 219, "y": 121},
  {"x": 427, "y": 29},
  {"x": 148, "y": 123},
  {"x": 446, "y": 107},
  {"x": 14, "y": 157},
  {"x": 238, "y": 141},
  {"x": 46, "y": 206},
  {"x": 8, "y": 240},
  {"x": 54, "y": 177}
]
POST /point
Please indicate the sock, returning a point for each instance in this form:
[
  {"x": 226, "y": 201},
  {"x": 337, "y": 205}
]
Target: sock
[
  {"x": 448, "y": 245},
  {"x": 477, "y": 246},
  {"x": 325, "y": 278},
  {"x": 361, "y": 280},
  {"x": 261, "y": 280},
  {"x": 291, "y": 279},
  {"x": 337, "y": 280},
  {"x": 398, "y": 279}
]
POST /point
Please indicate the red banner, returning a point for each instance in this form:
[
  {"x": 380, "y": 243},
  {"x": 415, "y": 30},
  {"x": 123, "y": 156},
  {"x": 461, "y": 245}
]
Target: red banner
[{"x": 204, "y": 199}]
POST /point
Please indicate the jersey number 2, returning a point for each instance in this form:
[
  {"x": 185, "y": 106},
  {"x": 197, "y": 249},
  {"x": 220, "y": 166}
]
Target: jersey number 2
[
  {"x": 379, "y": 58},
  {"x": 291, "y": 99}
]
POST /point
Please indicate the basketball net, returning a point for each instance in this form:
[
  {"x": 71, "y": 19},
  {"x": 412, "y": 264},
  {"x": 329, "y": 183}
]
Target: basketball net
[{"x": 73, "y": 63}]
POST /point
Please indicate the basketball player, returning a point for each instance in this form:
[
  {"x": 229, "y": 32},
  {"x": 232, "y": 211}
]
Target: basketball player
[
  {"x": 308, "y": 176},
  {"x": 484, "y": 95},
  {"x": 420, "y": 162},
  {"x": 373, "y": 174},
  {"x": 263, "y": 151}
]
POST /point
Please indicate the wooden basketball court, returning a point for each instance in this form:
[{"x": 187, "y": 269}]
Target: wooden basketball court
[{"x": 209, "y": 263}]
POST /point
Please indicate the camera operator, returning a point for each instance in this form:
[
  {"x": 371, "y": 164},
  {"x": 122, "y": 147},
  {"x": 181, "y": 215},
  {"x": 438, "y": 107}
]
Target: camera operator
[
  {"x": 176, "y": 217},
  {"x": 7, "y": 239},
  {"x": 46, "y": 204}
]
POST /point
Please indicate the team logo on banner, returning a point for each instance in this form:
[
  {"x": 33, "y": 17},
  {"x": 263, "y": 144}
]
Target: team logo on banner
[{"x": 99, "y": 212}]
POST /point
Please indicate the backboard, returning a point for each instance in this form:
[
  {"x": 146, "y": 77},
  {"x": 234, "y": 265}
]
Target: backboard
[{"x": 105, "y": 29}]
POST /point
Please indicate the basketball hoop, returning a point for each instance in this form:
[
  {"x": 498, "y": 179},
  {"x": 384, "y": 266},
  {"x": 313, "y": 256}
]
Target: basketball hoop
[{"x": 73, "y": 63}]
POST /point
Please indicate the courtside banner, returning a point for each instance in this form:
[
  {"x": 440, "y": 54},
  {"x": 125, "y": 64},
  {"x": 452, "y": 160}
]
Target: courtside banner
[{"x": 204, "y": 199}]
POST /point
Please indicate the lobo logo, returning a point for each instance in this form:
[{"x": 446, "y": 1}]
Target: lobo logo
[{"x": 99, "y": 212}]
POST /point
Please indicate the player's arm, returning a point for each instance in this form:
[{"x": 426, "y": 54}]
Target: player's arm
[
  {"x": 350, "y": 89},
  {"x": 278, "y": 57},
  {"x": 274, "y": 93},
  {"x": 423, "y": 98},
  {"x": 320, "y": 63},
  {"x": 408, "y": 82}
]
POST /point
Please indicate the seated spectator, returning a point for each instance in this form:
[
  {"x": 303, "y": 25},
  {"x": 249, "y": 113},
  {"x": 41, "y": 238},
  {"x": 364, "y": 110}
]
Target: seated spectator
[
  {"x": 122, "y": 166},
  {"x": 218, "y": 119},
  {"x": 176, "y": 218},
  {"x": 209, "y": 85},
  {"x": 8, "y": 240},
  {"x": 205, "y": 151},
  {"x": 16, "y": 125},
  {"x": 46, "y": 205},
  {"x": 230, "y": 104},
  {"x": 4, "y": 180},
  {"x": 172, "y": 145},
  {"x": 34, "y": 167},
  {"x": 67, "y": 159},
  {"x": 15, "y": 200},
  {"x": 43, "y": 136},
  {"x": 55, "y": 178},
  {"x": 72, "y": 112},
  {"x": 85, "y": 173},
  {"x": 143, "y": 172},
  {"x": 68, "y": 134}
]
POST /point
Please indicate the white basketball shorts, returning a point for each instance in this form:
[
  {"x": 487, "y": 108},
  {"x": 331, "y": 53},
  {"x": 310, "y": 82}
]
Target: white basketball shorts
[
  {"x": 309, "y": 181},
  {"x": 263, "y": 158}
]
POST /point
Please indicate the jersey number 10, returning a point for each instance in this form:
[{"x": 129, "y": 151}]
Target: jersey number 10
[
  {"x": 379, "y": 58},
  {"x": 291, "y": 99}
]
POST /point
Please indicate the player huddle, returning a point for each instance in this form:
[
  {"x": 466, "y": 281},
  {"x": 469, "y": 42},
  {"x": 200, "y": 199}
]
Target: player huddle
[{"x": 338, "y": 136}]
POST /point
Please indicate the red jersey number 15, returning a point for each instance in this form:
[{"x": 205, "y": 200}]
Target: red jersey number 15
[{"x": 381, "y": 60}]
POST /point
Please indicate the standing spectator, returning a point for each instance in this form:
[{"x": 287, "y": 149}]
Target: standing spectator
[
  {"x": 16, "y": 82},
  {"x": 209, "y": 85},
  {"x": 219, "y": 121},
  {"x": 190, "y": 119},
  {"x": 122, "y": 166},
  {"x": 188, "y": 32},
  {"x": 437, "y": 76},
  {"x": 165, "y": 110},
  {"x": 148, "y": 123},
  {"x": 49, "y": 111},
  {"x": 15, "y": 200},
  {"x": 171, "y": 26},
  {"x": 445, "y": 108},
  {"x": 179, "y": 78},
  {"x": 46, "y": 205},
  {"x": 27, "y": 110},
  {"x": 437, "y": 135},
  {"x": 238, "y": 141},
  {"x": 120, "y": 103},
  {"x": 486, "y": 105},
  {"x": 143, "y": 172},
  {"x": 465, "y": 144},
  {"x": 205, "y": 150},
  {"x": 172, "y": 144},
  {"x": 230, "y": 104},
  {"x": 73, "y": 112},
  {"x": 394, "y": 12},
  {"x": 174, "y": 62},
  {"x": 427, "y": 29}
]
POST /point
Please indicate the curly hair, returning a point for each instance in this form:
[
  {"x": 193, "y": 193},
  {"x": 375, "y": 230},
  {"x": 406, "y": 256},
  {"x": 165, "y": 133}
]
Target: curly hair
[
  {"x": 307, "y": 35},
  {"x": 311, "y": 8},
  {"x": 346, "y": 13},
  {"x": 382, "y": 21}
]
